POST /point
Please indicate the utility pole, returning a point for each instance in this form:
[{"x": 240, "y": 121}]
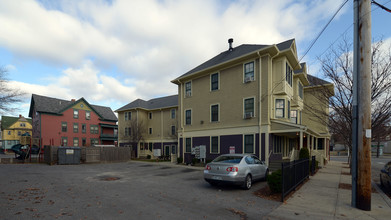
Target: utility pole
[{"x": 361, "y": 157}]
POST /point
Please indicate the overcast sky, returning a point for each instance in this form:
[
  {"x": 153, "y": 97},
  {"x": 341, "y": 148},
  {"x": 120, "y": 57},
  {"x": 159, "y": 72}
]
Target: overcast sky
[{"x": 113, "y": 52}]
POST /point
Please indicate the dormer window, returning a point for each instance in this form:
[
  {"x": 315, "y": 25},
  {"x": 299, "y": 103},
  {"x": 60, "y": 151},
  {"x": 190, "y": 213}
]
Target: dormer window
[{"x": 249, "y": 72}]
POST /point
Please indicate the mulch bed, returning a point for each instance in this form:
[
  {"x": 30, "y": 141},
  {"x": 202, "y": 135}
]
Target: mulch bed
[{"x": 266, "y": 193}]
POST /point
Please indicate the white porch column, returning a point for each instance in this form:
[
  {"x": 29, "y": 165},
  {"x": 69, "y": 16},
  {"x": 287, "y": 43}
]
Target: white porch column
[{"x": 301, "y": 139}]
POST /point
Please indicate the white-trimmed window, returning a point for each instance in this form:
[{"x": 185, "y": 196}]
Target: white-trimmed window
[
  {"x": 188, "y": 89},
  {"x": 150, "y": 115},
  {"x": 75, "y": 142},
  {"x": 280, "y": 108},
  {"x": 248, "y": 144},
  {"x": 300, "y": 88},
  {"x": 64, "y": 127},
  {"x": 188, "y": 117},
  {"x": 83, "y": 128},
  {"x": 128, "y": 116},
  {"x": 173, "y": 130},
  {"x": 75, "y": 113},
  {"x": 64, "y": 141},
  {"x": 249, "y": 108},
  {"x": 214, "y": 145},
  {"x": 188, "y": 145},
  {"x": 214, "y": 113},
  {"x": 75, "y": 127},
  {"x": 294, "y": 116},
  {"x": 249, "y": 72},
  {"x": 289, "y": 109},
  {"x": 173, "y": 113},
  {"x": 128, "y": 131},
  {"x": 88, "y": 115},
  {"x": 288, "y": 74},
  {"x": 214, "y": 82},
  {"x": 150, "y": 130}
]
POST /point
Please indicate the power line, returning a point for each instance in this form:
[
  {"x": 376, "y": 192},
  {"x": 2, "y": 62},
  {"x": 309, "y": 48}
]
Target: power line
[
  {"x": 346, "y": 30},
  {"x": 321, "y": 32},
  {"x": 381, "y": 6}
]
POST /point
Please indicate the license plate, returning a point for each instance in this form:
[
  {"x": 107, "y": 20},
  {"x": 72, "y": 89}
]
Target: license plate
[{"x": 216, "y": 177}]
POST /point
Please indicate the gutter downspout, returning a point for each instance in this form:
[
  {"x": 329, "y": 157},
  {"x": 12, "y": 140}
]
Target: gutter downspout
[
  {"x": 138, "y": 144},
  {"x": 267, "y": 150},
  {"x": 181, "y": 123},
  {"x": 161, "y": 130}
]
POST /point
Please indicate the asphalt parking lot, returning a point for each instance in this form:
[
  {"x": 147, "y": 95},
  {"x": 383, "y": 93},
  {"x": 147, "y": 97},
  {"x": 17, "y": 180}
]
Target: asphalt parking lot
[{"x": 131, "y": 190}]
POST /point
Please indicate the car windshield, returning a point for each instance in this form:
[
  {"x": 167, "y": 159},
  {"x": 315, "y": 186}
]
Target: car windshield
[{"x": 228, "y": 159}]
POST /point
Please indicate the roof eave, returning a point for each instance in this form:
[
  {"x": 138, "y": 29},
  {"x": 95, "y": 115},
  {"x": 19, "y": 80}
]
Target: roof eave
[{"x": 272, "y": 49}]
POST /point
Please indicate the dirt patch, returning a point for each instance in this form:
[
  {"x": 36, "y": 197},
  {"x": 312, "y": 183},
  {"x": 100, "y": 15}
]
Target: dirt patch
[
  {"x": 349, "y": 187},
  {"x": 243, "y": 216},
  {"x": 109, "y": 178},
  {"x": 345, "y": 186}
]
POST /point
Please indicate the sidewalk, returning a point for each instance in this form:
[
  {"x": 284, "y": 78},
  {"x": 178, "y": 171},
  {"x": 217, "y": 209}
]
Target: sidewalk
[{"x": 322, "y": 198}]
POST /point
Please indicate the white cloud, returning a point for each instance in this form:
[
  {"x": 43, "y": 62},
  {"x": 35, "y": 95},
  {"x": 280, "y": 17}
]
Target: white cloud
[{"x": 149, "y": 42}]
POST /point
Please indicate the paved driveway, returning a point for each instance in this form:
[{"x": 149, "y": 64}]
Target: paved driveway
[{"x": 132, "y": 190}]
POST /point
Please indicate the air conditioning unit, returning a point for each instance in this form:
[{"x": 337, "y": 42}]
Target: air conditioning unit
[
  {"x": 248, "y": 115},
  {"x": 248, "y": 79}
]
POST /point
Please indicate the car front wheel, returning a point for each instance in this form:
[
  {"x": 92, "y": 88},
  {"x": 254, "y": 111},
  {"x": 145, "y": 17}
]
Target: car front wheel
[{"x": 247, "y": 182}]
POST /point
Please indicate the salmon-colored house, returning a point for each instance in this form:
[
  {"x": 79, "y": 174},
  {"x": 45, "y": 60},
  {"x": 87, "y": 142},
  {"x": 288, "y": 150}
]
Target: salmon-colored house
[{"x": 72, "y": 123}]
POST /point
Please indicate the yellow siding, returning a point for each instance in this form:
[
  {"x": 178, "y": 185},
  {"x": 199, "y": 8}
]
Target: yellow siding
[
  {"x": 81, "y": 106},
  {"x": 12, "y": 133},
  {"x": 317, "y": 122},
  {"x": 230, "y": 97}
]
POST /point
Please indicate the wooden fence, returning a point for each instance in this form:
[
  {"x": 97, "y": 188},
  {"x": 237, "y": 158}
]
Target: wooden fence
[{"x": 92, "y": 154}]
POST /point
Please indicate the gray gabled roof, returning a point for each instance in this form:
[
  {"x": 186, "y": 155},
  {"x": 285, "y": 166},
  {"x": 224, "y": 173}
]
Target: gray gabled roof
[
  {"x": 50, "y": 105},
  {"x": 302, "y": 65},
  {"x": 236, "y": 52},
  {"x": 157, "y": 103},
  {"x": 315, "y": 81}
]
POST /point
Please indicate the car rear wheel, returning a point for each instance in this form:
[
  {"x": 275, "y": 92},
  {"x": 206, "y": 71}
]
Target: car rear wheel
[{"x": 247, "y": 182}]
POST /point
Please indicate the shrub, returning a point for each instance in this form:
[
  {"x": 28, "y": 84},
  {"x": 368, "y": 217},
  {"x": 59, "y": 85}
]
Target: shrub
[
  {"x": 274, "y": 181},
  {"x": 316, "y": 165},
  {"x": 148, "y": 157},
  {"x": 179, "y": 160},
  {"x": 194, "y": 161},
  {"x": 304, "y": 153}
]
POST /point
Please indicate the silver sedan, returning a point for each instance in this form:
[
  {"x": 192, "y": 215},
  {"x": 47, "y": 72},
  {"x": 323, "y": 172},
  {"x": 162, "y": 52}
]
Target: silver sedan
[{"x": 237, "y": 169}]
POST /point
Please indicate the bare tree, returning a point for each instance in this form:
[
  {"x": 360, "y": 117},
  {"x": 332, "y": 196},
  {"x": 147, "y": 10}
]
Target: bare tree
[
  {"x": 8, "y": 96},
  {"x": 337, "y": 67},
  {"x": 134, "y": 133}
]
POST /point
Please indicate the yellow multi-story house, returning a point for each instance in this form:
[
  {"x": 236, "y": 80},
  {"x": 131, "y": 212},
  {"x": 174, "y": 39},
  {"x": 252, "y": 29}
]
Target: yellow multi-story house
[
  {"x": 252, "y": 99},
  {"x": 149, "y": 127},
  {"x": 12, "y": 129}
]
